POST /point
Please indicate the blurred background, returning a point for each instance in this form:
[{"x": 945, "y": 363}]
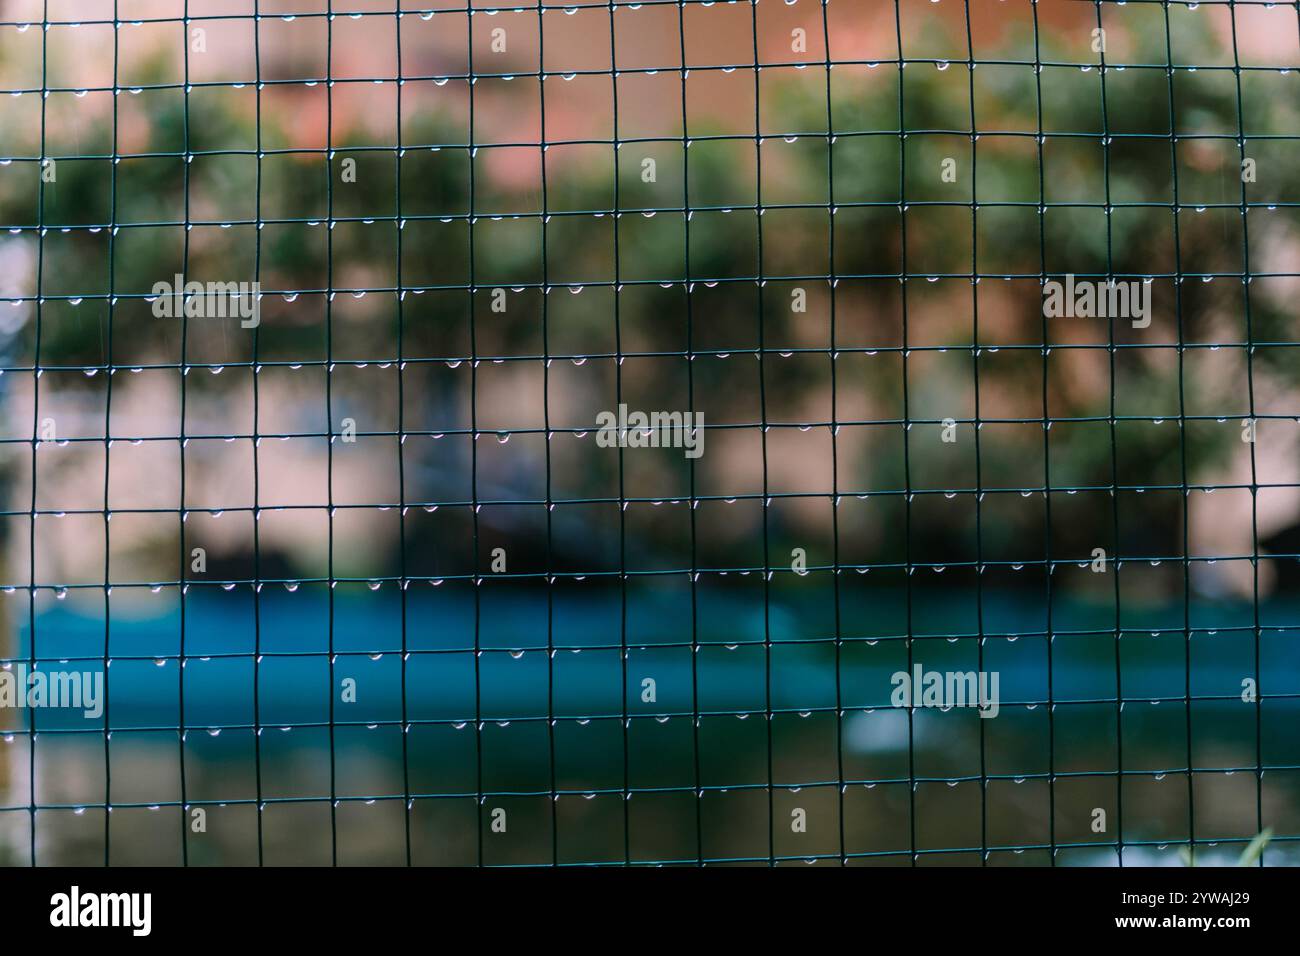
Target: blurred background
[{"x": 380, "y": 219}]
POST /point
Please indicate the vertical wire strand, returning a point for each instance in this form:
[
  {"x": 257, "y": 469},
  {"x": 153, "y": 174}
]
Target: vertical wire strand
[
  {"x": 1185, "y": 491},
  {"x": 182, "y": 440},
  {"x": 257, "y": 445},
  {"x": 833, "y": 284},
  {"x": 1040, "y": 140},
  {"x": 1244, "y": 211},
  {"x": 181, "y": 563},
  {"x": 623, "y": 650},
  {"x": 329, "y": 411},
  {"x": 979, "y": 472},
  {"x": 472, "y": 154},
  {"x": 546, "y": 426},
  {"x": 688, "y": 289},
  {"x": 907, "y": 431},
  {"x": 39, "y": 294},
  {"x": 1111, "y": 350},
  {"x": 400, "y": 298},
  {"x": 108, "y": 501},
  {"x": 760, "y": 289}
]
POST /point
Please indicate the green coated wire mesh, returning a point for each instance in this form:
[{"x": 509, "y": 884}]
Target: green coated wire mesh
[{"x": 667, "y": 432}]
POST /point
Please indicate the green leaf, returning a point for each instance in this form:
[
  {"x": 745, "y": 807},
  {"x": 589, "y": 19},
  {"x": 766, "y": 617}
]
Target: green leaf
[{"x": 1250, "y": 856}]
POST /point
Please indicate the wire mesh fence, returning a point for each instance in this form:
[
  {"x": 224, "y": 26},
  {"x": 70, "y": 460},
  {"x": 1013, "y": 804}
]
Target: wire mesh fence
[{"x": 660, "y": 432}]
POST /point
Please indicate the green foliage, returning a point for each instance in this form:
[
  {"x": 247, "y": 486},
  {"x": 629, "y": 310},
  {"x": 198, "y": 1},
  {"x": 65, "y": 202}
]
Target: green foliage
[
  {"x": 893, "y": 217},
  {"x": 1250, "y": 854}
]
